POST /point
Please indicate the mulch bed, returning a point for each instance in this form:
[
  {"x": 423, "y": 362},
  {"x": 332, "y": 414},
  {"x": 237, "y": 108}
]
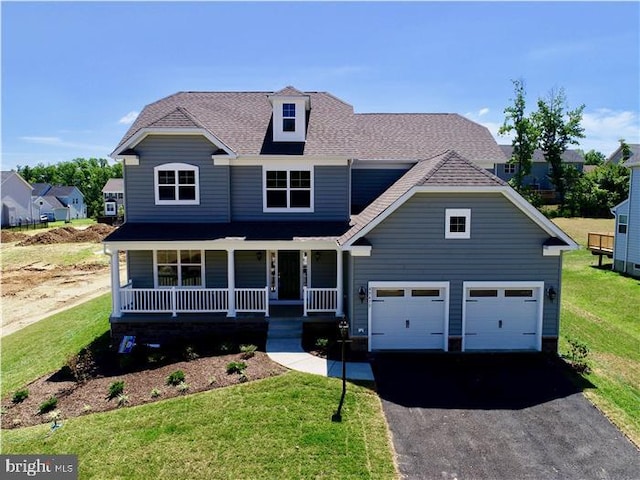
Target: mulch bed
[{"x": 75, "y": 399}]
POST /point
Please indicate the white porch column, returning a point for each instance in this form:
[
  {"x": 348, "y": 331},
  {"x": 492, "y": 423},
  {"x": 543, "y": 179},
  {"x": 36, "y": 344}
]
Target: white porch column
[
  {"x": 231, "y": 282},
  {"x": 115, "y": 284},
  {"x": 339, "y": 286}
]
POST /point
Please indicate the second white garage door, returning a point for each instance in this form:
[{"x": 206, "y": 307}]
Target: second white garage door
[
  {"x": 502, "y": 316},
  {"x": 408, "y": 316}
]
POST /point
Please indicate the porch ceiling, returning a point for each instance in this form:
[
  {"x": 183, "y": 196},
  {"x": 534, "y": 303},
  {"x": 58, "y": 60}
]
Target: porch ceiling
[{"x": 248, "y": 231}]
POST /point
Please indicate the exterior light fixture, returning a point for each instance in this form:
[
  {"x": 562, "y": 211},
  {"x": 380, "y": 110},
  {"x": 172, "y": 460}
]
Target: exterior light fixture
[
  {"x": 259, "y": 255},
  {"x": 552, "y": 294},
  {"x": 317, "y": 255},
  {"x": 362, "y": 294}
]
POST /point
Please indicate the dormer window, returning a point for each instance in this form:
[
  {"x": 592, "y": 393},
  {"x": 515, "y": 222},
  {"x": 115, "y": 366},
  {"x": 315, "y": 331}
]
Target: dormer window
[{"x": 288, "y": 117}]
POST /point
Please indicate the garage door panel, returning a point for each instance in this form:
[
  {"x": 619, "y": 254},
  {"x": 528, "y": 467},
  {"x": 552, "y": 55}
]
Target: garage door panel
[
  {"x": 407, "y": 318},
  {"x": 501, "y": 318}
]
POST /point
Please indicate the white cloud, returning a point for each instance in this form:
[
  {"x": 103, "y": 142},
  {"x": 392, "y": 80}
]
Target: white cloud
[
  {"x": 58, "y": 142},
  {"x": 604, "y": 127},
  {"x": 483, "y": 111},
  {"x": 129, "y": 118}
]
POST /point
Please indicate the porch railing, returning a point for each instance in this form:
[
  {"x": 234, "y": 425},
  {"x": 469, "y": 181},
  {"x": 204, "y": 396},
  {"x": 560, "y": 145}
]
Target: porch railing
[
  {"x": 320, "y": 300},
  {"x": 252, "y": 300},
  {"x": 192, "y": 300}
]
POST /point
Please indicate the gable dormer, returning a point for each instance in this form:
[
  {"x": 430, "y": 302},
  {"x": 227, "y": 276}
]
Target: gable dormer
[{"x": 290, "y": 110}]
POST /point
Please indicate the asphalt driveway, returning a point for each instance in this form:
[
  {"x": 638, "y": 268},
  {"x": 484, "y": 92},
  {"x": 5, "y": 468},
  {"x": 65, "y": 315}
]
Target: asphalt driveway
[{"x": 496, "y": 417}]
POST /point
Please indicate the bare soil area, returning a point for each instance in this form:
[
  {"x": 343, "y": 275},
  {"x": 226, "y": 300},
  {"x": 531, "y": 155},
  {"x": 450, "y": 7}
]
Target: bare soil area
[
  {"x": 144, "y": 385},
  {"x": 46, "y": 272}
]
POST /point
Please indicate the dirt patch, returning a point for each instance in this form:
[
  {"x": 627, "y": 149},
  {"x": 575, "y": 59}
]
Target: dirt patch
[
  {"x": 94, "y": 233},
  {"x": 75, "y": 399},
  {"x": 8, "y": 237}
]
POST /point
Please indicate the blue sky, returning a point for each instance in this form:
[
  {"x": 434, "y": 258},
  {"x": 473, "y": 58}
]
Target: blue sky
[{"x": 74, "y": 75}]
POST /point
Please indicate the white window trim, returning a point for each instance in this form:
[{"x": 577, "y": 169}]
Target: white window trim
[
  {"x": 176, "y": 167},
  {"x": 179, "y": 264},
  {"x": 457, "y": 212},
  {"x": 266, "y": 209}
]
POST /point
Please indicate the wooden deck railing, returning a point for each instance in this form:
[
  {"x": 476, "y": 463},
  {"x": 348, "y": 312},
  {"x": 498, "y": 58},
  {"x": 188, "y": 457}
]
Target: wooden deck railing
[{"x": 600, "y": 242}]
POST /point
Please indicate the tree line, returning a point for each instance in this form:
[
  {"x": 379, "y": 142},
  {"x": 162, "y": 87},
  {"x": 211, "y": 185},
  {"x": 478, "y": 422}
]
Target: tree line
[
  {"x": 89, "y": 175},
  {"x": 553, "y": 128}
]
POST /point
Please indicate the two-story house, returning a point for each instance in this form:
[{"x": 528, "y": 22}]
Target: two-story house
[
  {"x": 539, "y": 178},
  {"x": 16, "y": 199},
  {"x": 113, "y": 196},
  {"x": 59, "y": 202},
  {"x": 626, "y": 247},
  {"x": 240, "y": 201}
]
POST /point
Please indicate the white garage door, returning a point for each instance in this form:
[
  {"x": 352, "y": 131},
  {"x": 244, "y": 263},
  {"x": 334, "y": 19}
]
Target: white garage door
[
  {"x": 408, "y": 316},
  {"x": 503, "y": 317}
]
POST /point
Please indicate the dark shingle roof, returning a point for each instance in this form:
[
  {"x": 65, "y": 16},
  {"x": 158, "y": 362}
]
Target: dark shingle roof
[
  {"x": 242, "y": 121},
  {"x": 214, "y": 231},
  {"x": 570, "y": 156},
  {"x": 62, "y": 191},
  {"x": 53, "y": 201},
  {"x": 114, "y": 185},
  {"x": 447, "y": 169},
  {"x": 39, "y": 189}
]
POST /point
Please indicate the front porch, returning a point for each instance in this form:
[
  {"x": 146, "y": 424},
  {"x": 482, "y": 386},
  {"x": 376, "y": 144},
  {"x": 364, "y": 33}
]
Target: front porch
[{"x": 225, "y": 283}]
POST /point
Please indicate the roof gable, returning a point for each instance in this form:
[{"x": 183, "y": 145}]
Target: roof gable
[{"x": 114, "y": 185}]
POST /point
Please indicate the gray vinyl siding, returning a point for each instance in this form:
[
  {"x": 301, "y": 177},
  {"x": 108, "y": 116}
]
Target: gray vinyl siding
[
  {"x": 634, "y": 220},
  {"x": 250, "y": 272},
  {"x": 409, "y": 245},
  {"x": 215, "y": 268},
  {"x": 620, "y": 239},
  {"x": 369, "y": 184},
  {"x": 190, "y": 149},
  {"x": 323, "y": 270},
  {"x": 16, "y": 202},
  {"x": 331, "y": 195},
  {"x": 140, "y": 268}
]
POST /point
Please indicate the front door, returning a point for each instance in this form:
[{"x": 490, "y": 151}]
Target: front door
[{"x": 288, "y": 275}]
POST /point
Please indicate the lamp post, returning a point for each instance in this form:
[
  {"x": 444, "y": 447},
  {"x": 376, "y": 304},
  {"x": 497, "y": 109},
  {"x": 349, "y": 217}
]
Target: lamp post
[{"x": 343, "y": 326}]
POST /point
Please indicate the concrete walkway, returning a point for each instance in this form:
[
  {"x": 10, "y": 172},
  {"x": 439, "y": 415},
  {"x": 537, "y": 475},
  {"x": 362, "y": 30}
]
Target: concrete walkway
[{"x": 284, "y": 347}]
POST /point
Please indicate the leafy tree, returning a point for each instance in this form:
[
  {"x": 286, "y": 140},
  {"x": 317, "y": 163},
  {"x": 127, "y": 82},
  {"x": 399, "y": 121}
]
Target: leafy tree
[
  {"x": 89, "y": 175},
  {"x": 595, "y": 193},
  {"x": 526, "y": 135},
  {"x": 593, "y": 157},
  {"x": 626, "y": 150},
  {"x": 559, "y": 128}
]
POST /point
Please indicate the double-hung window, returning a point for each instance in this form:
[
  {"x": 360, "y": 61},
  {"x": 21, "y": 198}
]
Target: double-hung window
[
  {"x": 177, "y": 184},
  {"x": 288, "y": 117},
  {"x": 179, "y": 268},
  {"x": 288, "y": 190},
  {"x": 622, "y": 224},
  {"x": 510, "y": 168}
]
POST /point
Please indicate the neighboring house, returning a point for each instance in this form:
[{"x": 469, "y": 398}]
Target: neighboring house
[
  {"x": 616, "y": 156},
  {"x": 16, "y": 199},
  {"x": 59, "y": 202},
  {"x": 540, "y": 168},
  {"x": 240, "y": 201},
  {"x": 113, "y": 195},
  {"x": 626, "y": 249}
]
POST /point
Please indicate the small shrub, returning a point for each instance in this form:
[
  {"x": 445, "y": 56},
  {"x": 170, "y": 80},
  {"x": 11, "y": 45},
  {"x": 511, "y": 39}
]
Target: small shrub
[
  {"x": 155, "y": 393},
  {"x": 20, "y": 396},
  {"x": 213, "y": 380},
  {"x": 87, "y": 408},
  {"x": 50, "y": 404},
  {"x": 577, "y": 355},
  {"x": 175, "y": 378},
  {"x": 183, "y": 387},
  {"x": 54, "y": 416},
  {"x": 248, "y": 351},
  {"x": 123, "y": 400},
  {"x": 81, "y": 366},
  {"x": 226, "y": 347},
  {"x": 116, "y": 389},
  {"x": 190, "y": 353},
  {"x": 242, "y": 378},
  {"x": 322, "y": 344},
  {"x": 236, "y": 367},
  {"x": 17, "y": 422}
]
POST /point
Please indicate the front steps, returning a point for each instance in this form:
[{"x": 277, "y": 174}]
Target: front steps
[{"x": 285, "y": 327}]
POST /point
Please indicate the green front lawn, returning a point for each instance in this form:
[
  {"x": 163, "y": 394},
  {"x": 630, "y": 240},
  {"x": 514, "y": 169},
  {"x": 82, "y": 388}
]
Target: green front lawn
[{"x": 275, "y": 428}]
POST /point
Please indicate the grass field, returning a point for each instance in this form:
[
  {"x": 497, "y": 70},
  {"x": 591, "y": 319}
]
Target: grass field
[
  {"x": 45, "y": 346},
  {"x": 600, "y": 308}
]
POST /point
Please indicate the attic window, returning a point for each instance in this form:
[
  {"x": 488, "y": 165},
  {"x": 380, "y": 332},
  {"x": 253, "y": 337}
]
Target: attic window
[
  {"x": 457, "y": 223},
  {"x": 288, "y": 117}
]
